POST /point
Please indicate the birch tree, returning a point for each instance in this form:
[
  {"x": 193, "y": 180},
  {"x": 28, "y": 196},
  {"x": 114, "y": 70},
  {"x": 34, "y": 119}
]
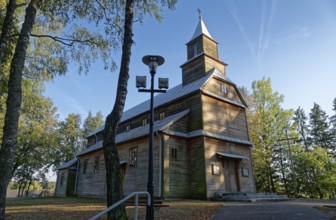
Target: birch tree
[
  {"x": 38, "y": 65},
  {"x": 113, "y": 178}
]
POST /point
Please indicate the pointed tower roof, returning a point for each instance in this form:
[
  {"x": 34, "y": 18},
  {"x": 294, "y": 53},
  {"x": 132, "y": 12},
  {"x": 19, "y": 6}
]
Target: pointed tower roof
[{"x": 201, "y": 29}]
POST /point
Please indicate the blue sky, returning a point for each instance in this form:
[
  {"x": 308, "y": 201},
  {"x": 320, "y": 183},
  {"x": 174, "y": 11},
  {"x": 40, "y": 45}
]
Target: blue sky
[{"x": 292, "y": 42}]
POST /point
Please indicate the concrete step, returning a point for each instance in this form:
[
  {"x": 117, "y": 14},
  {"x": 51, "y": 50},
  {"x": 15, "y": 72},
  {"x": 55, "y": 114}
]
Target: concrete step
[{"x": 249, "y": 197}]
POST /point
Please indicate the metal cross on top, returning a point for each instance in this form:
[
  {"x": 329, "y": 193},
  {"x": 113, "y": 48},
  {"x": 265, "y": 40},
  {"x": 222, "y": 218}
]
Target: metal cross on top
[{"x": 199, "y": 13}]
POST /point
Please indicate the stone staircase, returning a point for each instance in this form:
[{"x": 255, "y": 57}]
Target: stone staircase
[{"x": 248, "y": 197}]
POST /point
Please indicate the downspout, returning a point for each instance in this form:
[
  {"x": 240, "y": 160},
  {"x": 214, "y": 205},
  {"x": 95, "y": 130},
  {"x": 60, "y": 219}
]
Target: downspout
[
  {"x": 160, "y": 163},
  {"x": 77, "y": 172}
]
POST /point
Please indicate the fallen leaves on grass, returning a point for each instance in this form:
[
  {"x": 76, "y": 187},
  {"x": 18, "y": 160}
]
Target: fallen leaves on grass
[{"x": 83, "y": 208}]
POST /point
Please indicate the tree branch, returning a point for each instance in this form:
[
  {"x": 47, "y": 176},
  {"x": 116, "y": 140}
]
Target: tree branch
[
  {"x": 65, "y": 41},
  {"x": 108, "y": 20}
]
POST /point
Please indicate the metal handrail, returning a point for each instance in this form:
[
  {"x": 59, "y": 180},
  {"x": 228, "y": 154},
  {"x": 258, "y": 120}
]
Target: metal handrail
[{"x": 136, "y": 203}]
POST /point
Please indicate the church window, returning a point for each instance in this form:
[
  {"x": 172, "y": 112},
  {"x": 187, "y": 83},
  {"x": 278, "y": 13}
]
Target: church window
[
  {"x": 162, "y": 115},
  {"x": 215, "y": 169},
  {"x": 224, "y": 88},
  {"x": 245, "y": 171},
  {"x": 144, "y": 122},
  {"x": 173, "y": 153},
  {"x": 133, "y": 156},
  {"x": 195, "y": 49},
  {"x": 96, "y": 164},
  {"x": 86, "y": 161}
]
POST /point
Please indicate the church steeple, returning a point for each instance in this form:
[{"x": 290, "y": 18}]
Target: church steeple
[
  {"x": 202, "y": 55},
  {"x": 201, "y": 29}
]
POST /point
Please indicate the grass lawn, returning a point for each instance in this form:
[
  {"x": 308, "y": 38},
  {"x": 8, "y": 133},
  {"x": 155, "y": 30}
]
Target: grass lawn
[{"x": 53, "y": 208}]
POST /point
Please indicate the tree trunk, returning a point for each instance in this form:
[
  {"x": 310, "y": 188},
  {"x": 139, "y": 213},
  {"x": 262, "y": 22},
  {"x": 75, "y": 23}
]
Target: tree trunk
[
  {"x": 113, "y": 177},
  {"x": 6, "y": 27},
  {"x": 10, "y": 129},
  {"x": 29, "y": 184},
  {"x": 23, "y": 188},
  {"x": 19, "y": 190}
]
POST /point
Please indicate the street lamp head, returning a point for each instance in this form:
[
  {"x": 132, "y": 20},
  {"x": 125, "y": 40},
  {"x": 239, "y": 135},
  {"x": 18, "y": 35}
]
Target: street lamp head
[
  {"x": 153, "y": 61},
  {"x": 141, "y": 81},
  {"x": 163, "y": 83}
]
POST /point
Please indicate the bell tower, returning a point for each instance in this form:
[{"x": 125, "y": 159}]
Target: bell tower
[{"x": 202, "y": 55}]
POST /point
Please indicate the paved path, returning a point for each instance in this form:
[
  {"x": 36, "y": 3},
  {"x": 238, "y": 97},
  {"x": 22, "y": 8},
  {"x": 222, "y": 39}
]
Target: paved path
[{"x": 281, "y": 210}]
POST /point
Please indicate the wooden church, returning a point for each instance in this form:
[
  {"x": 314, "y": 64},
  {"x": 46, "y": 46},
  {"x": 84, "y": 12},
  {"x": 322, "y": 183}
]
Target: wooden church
[{"x": 201, "y": 142}]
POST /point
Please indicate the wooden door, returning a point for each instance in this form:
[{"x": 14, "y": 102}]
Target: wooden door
[{"x": 231, "y": 175}]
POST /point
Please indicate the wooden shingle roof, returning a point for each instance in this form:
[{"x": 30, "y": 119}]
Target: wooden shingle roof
[
  {"x": 138, "y": 132},
  {"x": 171, "y": 95},
  {"x": 68, "y": 164}
]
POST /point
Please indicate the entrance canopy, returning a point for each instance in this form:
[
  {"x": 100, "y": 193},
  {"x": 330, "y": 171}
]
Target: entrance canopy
[{"x": 234, "y": 156}]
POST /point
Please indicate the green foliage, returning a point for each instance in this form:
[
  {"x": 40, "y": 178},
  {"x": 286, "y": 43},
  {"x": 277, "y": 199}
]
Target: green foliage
[
  {"x": 319, "y": 130},
  {"x": 290, "y": 155},
  {"x": 267, "y": 122},
  {"x": 91, "y": 123},
  {"x": 37, "y": 133},
  {"x": 300, "y": 121},
  {"x": 316, "y": 173},
  {"x": 333, "y": 130},
  {"x": 70, "y": 139}
]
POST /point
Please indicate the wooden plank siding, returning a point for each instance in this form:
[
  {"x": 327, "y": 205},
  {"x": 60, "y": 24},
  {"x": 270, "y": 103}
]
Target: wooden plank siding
[
  {"x": 195, "y": 148},
  {"x": 209, "y": 46},
  {"x": 212, "y": 62},
  {"x": 216, "y": 183},
  {"x": 223, "y": 118},
  {"x": 61, "y": 187},
  {"x": 193, "y": 70},
  {"x": 193, "y": 103},
  {"x": 136, "y": 177},
  {"x": 176, "y": 170},
  {"x": 214, "y": 86},
  {"x": 93, "y": 184}
]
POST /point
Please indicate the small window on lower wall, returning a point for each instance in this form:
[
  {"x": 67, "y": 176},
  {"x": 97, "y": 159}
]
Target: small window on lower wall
[
  {"x": 245, "y": 171},
  {"x": 86, "y": 161},
  {"x": 133, "y": 156},
  {"x": 215, "y": 169},
  {"x": 96, "y": 165},
  {"x": 162, "y": 115},
  {"x": 173, "y": 152},
  {"x": 62, "y": 179}
]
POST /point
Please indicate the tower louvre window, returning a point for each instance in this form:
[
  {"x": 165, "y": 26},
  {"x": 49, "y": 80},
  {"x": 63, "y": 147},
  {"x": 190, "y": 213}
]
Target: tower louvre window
[
  {"x": 223, "y": 88},
  {"x": 195, "y": 49}
]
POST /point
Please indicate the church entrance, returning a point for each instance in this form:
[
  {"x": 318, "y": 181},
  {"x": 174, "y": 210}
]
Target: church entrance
[{"x": 231, "y": 174}]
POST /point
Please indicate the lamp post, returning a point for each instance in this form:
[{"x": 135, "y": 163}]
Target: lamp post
[{"x": 152, "y": 61}]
